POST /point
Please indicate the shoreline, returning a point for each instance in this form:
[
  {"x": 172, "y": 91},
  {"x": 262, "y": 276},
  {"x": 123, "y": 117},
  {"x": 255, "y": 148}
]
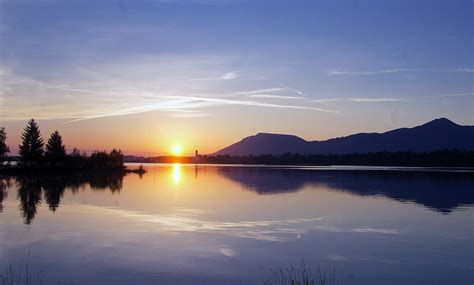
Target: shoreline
[
  {"x": 17, "y": 171},
  {"x": 137, "y": 168}
]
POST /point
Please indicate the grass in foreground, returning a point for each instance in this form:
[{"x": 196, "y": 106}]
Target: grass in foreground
[
  {"x": 299, "y": 274},
  {"x": 22, "y": 275},
  {"x": 302, "y": 274}
]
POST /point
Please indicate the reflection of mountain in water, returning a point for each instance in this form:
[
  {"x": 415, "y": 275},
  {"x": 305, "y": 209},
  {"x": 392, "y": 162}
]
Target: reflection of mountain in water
[
  {"x": 50, "y": 188},
  {"x": 440, "y": 191}
]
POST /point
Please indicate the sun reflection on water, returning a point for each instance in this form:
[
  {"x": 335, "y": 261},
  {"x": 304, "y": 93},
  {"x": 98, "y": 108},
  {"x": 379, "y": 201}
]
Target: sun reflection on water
[{"x": 176, "y": 174}]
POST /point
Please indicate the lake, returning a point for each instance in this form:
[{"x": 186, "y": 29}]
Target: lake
[{"x": 210, "y": 224}]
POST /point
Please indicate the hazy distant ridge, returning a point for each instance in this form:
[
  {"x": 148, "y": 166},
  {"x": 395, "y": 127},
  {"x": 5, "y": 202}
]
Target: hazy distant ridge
[{"x": 435, "y": 135}]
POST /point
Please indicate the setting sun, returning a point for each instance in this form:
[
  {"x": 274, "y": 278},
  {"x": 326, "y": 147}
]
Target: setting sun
[{"x": 176, "y": 149}]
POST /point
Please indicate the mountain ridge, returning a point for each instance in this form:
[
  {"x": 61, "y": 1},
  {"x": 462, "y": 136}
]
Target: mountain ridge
[{"x": 437, "y": 134}]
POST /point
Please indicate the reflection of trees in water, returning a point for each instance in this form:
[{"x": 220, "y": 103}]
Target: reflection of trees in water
[
  {"x": 53, "y": 191},
  {"x": 31, "y": 188},
  {"x": 29, "y": 192},
  {"x": 5, "y": 183},
  {"x": 106, "y": 182}
]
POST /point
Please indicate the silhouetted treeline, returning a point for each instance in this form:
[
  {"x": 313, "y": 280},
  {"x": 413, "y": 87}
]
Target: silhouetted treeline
[
  {"x": 441, "y": 158},
  {"x": 35, "y": 155},
  {"x": 97, "y": 160}
]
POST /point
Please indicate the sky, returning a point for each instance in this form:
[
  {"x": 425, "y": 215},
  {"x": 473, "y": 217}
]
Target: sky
[{"x": 143, "y": 76}]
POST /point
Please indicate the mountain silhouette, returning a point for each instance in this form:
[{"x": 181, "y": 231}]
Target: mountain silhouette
[{"x": 438, "y": 134}]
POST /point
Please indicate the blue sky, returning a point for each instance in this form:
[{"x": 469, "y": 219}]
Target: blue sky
[{"x": 316, "y": 69}]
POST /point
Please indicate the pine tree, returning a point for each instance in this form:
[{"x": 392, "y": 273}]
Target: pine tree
[
  {"x": 3, "y": 146},
  {"x": 55, "y": 149},
  {"x": 31, "y": 148}
]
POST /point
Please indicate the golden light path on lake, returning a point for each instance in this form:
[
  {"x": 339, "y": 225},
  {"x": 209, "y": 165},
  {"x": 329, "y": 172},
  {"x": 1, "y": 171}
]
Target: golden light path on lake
[{"x": 176, "y": 174}]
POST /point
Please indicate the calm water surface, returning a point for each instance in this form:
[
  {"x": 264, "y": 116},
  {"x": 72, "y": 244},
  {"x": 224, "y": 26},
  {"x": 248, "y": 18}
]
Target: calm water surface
[{"x": 186, "y": 224}]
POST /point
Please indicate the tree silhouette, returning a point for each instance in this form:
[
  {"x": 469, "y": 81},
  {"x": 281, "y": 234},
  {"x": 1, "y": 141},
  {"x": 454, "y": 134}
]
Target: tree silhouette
[
  {"x": 98, "y": 159},
  {"x": 76, "y": 152},
  {"x": 75, "y": 159},
  {"x": 104, "y": 160},
  {"x": 31, "y": 148},
  {"x": 3, "y": 146},
  {"x": 116, "y": 158},
  {"x": 55, "y": 149}
]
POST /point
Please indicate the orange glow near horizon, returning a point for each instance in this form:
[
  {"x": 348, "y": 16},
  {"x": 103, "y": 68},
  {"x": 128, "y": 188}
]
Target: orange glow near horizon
[{"x": 139, "y": 137}]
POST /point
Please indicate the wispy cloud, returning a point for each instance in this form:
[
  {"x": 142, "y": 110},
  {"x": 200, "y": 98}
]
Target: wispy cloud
[
  {"x": 361, "y": 100},
  {"x": 375, "y": 99},
  {"x": 112, "y": 90},
  {"x": 270, "y": 96},
  {"x": 399, "y": 99},
  {"x": 258, "y": 91},
  {"x": 186, "y": 102},
  {"x": 227, "y": 76},
  {"x": 397, "y": 70},
  {"x": 191, "y": 115},
  {"x": 449, "y": 95},
  {"x": 146, "y": 84},
  {"x": 286, "y": 87}
]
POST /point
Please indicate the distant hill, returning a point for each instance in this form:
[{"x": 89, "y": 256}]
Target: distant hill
[{"x": 435, "y": 135}]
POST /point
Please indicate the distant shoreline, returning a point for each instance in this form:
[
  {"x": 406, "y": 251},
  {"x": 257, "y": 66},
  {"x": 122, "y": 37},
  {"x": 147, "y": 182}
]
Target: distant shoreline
[
  {"x": 436, "y": 159},
  {"x": 441, "y": 158}
]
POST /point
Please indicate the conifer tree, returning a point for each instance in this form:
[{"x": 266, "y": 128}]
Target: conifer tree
[
  {"x": 55, "y": 149},
  {"x": 31, "y": 147},
  {"x": 3, "y": 146}
]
